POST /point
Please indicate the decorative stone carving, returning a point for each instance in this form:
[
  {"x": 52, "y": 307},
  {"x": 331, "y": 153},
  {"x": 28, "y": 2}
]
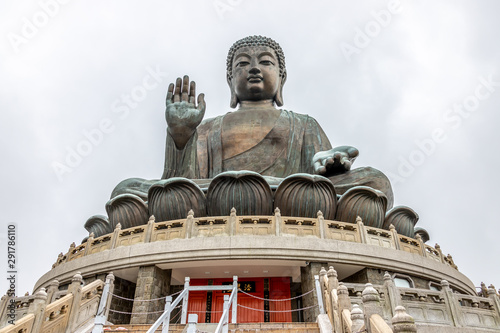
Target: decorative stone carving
[
  {"x": 172, "y": 199},
  {"x": 127, "y": 209},
  {"x": 365, "y": 202},
  {"x": 423, "y": 233},
  {"x": 246, "y": 191},
  {"x": 99, "y": 225},
  {"x": 403, "y": 219},
  {"x": 303, "y": 195}
]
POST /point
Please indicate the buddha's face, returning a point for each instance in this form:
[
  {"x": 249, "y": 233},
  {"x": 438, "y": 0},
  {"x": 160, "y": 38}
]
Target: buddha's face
[{"x": 255, "y": 73}]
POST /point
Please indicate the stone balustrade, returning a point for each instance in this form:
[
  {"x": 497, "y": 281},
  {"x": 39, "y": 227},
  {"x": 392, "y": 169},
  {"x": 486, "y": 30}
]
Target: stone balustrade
[
  {"x": 438, "y": 308},
  {"x": 55, "y": 311},
  {"x": 277, "y": 225}
]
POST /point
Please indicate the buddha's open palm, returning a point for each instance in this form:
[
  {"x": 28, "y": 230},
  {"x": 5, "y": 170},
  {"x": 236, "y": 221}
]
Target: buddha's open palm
[{"x": 182, "y": 114}]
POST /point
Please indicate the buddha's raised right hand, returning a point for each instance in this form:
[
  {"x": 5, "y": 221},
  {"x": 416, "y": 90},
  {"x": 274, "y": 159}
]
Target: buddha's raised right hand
[{"x": 182, "y": 113}]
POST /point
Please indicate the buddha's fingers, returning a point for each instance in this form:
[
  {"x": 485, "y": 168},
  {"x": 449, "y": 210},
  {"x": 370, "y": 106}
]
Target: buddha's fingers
[
  {"x": 177, "y": 92},
  {"x": 170, "y": 93},
  {"x": 201, "y": 103},
  {"x": 192, "y": 92},
  {"x": 319, "y": 168},
  {"x": 185, "y": 88}
]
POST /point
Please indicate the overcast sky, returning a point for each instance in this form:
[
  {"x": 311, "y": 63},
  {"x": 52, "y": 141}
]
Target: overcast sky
[{"x": 415, "y": 87}]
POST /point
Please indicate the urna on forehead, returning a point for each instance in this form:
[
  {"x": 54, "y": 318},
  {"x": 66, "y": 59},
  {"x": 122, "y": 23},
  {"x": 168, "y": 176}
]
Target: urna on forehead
[{"x": 256, "y": 41}]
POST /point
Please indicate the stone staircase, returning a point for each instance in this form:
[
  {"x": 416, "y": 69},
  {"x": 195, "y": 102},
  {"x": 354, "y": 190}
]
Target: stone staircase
[{"x": 233, "y": 328}]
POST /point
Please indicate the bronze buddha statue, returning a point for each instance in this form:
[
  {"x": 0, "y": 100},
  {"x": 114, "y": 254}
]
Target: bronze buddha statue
[{"x": 258, "y": 136}]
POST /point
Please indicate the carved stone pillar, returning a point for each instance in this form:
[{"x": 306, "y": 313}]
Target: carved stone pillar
[
  {"x": 152, "y": 283},
  {"x": 307, "y": 280}
]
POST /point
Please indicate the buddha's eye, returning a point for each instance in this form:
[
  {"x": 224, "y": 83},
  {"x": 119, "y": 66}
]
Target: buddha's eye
[
  {"x": 266, "y": 62},
  {"x": 242, "y": 63}
]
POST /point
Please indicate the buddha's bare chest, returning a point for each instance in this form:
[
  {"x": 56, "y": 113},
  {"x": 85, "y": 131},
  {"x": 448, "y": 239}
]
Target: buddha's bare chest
[{"x": 242, "y": 131}]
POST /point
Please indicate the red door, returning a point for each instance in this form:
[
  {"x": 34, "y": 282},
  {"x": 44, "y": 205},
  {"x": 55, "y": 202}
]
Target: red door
[
  {"x": 251, "y": 309},
  {"x": 198, "y": 300},
  {"x": 244, "y": 315},
  {"x": 280, "y": 289}
]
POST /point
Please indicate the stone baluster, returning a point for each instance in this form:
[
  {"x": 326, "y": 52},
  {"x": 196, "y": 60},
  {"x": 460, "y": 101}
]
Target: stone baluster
[
  {"x": 321, "y": 224},
  {"x": 422, "y": 245},
  {"x": 277, "y": 216},
  {"x": 452, "y": 303},
  {"x": 395, "y": 237},
  {"x": 189, "y": 224},
  {"x": 3, "y": 310},
  {"x": 344, "y": 299},
  {"x": 150, "y": 229},
  {"x": 52, "y": 288},
  {"x": 494, "y": 297},
  {"x": 233, "y": 222},
  {"x": 333, "y": 282},
  {"x": 392, "y": 291},
  {"x": 361, "y": 230},
  {"x": 371, "y": 304},
  {"x": 357, "y": 318},
  {"x": 38, "y": 310},
  {"x": 88, "y": 244},
  {"x": 115, "y": 235},
  {"x": 438, "y": 248},
  {"x": 74, "y": 288},
  {"x": 402, "y": 322}
]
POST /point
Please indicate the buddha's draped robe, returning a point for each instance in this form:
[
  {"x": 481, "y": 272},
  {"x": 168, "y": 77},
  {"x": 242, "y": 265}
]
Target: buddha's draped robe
[{"x": 287, "y": 149}]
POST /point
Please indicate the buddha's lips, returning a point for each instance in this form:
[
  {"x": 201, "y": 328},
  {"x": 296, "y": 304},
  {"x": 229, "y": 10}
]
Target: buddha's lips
[{"x": 255, "y": 78}]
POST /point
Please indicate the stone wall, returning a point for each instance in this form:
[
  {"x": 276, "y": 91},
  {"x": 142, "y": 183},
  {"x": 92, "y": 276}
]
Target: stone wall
[
  {"x": 152, "y": 283},
  {"x": 123, "y": 288}
]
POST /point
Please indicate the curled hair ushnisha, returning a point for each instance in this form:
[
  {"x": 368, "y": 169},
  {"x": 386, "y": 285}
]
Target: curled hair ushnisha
[{"x": 255, "y": 41}]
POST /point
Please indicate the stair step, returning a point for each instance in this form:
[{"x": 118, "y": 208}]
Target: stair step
[{"x": 234, "y": 328}]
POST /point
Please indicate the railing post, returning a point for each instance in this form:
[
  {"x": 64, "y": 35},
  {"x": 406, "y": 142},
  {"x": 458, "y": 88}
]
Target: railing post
[
  {"x": 395, "y": 236},
  {"x": 185, "y": 301},
  {"x": 74, "y": 288},
  {"x": 102, "y": 311},
  {"x": 438, "y": 248},
  {"x": 392, "y": 292},
  {"x": 232, "y": 222},
  {"x": 88, "y": 245},
  {"x": 277, "y": 218},
  {"x": 189, "y": 224},
  {"x": 115, "y": 235},
  {"x": 422, "y": 245},
  {"x": 361, "y": 230},
  {"x": 149, "y": 229},
  {"x": 52, "y": 288},
  {"x": 452, "y": 303},
  {"x": 234, "y": 315},
  {"x": 319, "y": 294},
  {"x": 166, "y": 321},
  {"x": 225, "y": 322},
  {"x": 39, "y": 305},
  {"x": 321, "y": 224},
  {"x": 192, "y": 321}
]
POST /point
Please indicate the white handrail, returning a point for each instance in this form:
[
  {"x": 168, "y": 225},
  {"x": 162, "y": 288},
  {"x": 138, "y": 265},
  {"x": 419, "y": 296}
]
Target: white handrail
[
  {"x": 167, "y": 312},
  {"x": 223, "y": 319}
]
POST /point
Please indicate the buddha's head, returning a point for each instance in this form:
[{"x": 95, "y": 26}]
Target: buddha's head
[{"x": 256, "y": 70}]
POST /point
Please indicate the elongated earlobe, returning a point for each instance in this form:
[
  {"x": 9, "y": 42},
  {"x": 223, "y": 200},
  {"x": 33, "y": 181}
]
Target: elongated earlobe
[
  {"x": 278, "y": 99},
  {"x": 234, "y": 99}
]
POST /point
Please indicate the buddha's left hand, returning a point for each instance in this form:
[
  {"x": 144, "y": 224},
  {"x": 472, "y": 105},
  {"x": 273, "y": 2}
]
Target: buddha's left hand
[{"x": 334, "y": 161}]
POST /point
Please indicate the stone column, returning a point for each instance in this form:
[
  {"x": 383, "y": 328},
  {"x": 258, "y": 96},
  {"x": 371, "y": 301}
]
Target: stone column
[
  {"x": 52, "y": 288},
  {"x": 307, "y": 281},
  {"x": 152, "y": 283},
  {"x": 74, "y": 288},
  {"x": 38, "y": 309}
]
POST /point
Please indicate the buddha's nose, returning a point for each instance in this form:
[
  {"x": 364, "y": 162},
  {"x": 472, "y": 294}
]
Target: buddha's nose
[{"x": 254, "y": 70}]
